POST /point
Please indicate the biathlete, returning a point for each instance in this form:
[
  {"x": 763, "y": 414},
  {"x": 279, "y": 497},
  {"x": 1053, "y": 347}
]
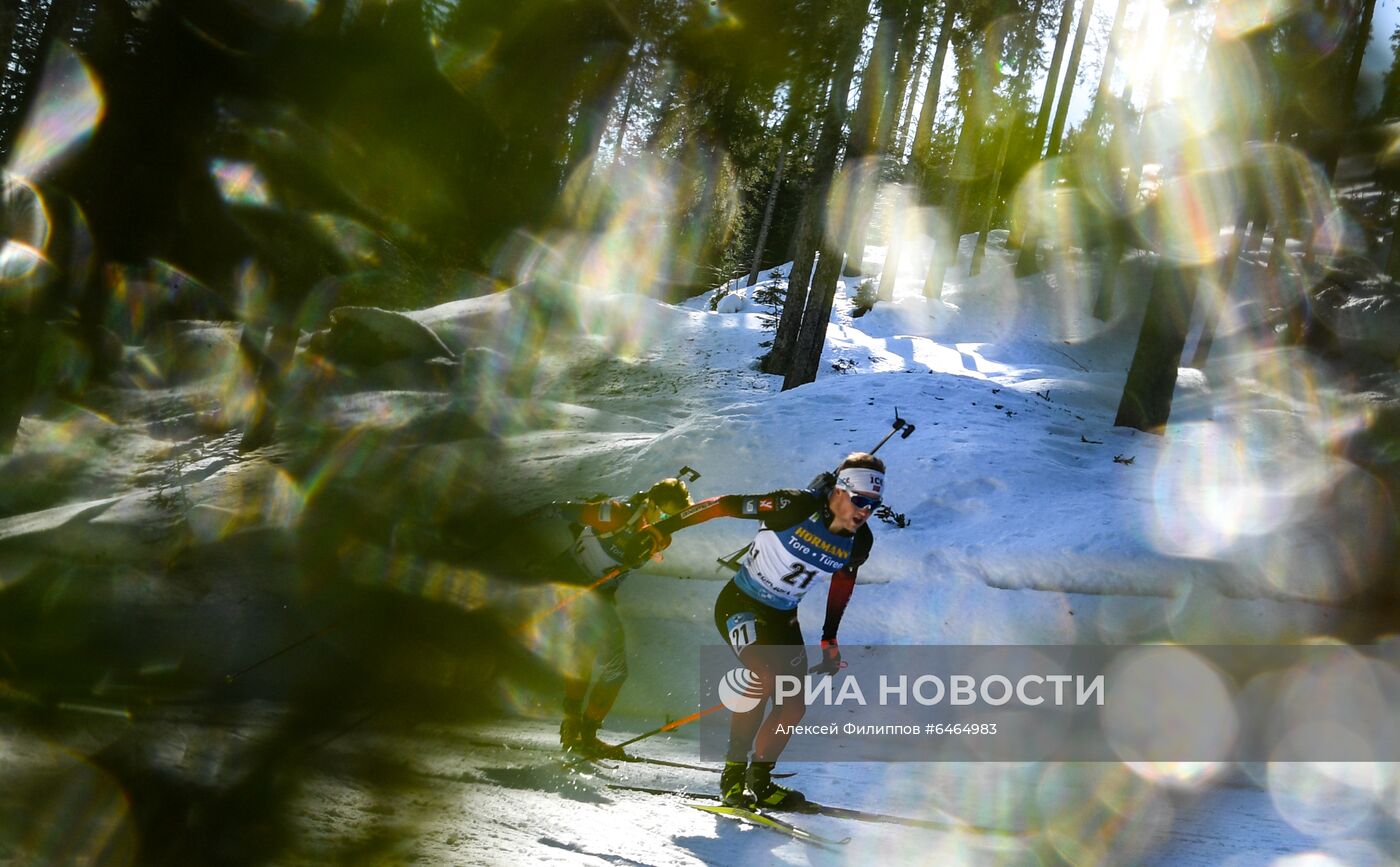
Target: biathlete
[
  {"x": 602, "y": 531},
  {"x": 806, "y": 535}
]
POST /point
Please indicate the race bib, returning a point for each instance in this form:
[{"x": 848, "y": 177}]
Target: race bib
[{"x": 782, "y": 566}]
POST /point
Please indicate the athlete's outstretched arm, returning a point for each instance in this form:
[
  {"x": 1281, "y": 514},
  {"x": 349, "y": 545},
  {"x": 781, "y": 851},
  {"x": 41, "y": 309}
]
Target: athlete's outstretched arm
[
  {"x": 755, "y": 506},
  {"x": 773, "y": 506}
]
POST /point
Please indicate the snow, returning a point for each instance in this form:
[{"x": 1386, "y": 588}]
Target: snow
[{"x": 1031, "y": 519}]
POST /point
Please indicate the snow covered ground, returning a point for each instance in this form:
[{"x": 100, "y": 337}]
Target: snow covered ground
[
  {"x": 1031, "y": 519},
  {"x": 498, "y": 793}
]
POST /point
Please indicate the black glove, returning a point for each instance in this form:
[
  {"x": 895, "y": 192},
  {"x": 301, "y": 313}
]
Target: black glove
[
  {"x": 645, "y": 544},
  {"x": 831, "y": 659}
]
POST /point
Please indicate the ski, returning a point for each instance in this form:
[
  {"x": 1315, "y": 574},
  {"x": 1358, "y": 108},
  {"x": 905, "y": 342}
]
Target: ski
[
  {"x": 706, "y": 768},
  {"x": 767, "y": 820},
  {"x": 486, "y": 742},
  {"x": 809, "y": 807},
  {"x": 570, "y": 764}
]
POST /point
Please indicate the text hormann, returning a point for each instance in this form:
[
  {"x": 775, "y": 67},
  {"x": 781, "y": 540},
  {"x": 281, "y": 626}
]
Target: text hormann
[{"x": 821, "y": 544}]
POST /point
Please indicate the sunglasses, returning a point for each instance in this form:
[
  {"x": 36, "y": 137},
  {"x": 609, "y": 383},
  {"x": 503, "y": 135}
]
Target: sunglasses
[{"x": 863, "y": 502}]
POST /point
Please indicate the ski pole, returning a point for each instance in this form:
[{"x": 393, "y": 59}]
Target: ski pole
[
  {"x": 731, "y": 562},
  {"x": 673, "y": 725},
  {"x": 668, "y": 727},
  {"x": 570, "y": 600},
  {"x": 899, "y": 424}
]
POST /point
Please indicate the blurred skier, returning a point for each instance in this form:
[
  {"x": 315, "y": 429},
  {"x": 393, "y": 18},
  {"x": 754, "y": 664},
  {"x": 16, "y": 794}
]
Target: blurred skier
[
  {"x": 602, "y": 531},
  {"x": 806, "y": 534}
]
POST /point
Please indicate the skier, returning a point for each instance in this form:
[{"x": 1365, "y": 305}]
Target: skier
[
  {"x": 602, "y": 530},
  {"x": 806, "y": 534}
]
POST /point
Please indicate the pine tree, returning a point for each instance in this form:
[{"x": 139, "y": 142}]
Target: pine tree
[
  {"x": 916, "y": 167},
  {"x": 812, "y": 224},
  {"x": 1010, "y": 122},
  {"x": 1025, "y": 263},
  {"x": 1071, "y": 73}
]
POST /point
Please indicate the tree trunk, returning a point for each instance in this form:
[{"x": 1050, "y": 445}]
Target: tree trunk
[
  {"x": 899, "y": 203},
  {"x": 923, "y": 129},
  {"x": 1257, "y": 227},
  {"x": 867, "y": 124},
  {"x": 945, "y": 252},
  {"x": 669, "y": 83},
  {"x": 909, "y": 44},
  {"x": 790, "y": 136},
  {"x": 811, "y": 338},
  {"x": 1108, "y": 278},
  {"x": 901, "y": 142},
  {"x": 1147, "y": 395},
  {"x": 596, "y": 106},
  {"x": 1012, "y": 122},
  {"x": 779, "y": 356},
  {"x": 866, "y": 200},
  {"x": 625, "y": 118},
  {"x": 895, "y": 242},
  {"x": 916, "y": 166},
  {"x": 1347, "y": 108},
  {"x": 329, "y": 20},
  {"x": 1057, "y": 129},
  {"x": 767, "y": 217},
  {"x": 1350, "y": 76},
  {"x": 1225, "y": 276},
  {"x": 1026, "y": 262},
  {"x": 980, "y": 251},
  {"x": 17, "y": 370},
  {"x": 1052, "y": 75},
  {"x": 1283, "y": 218},
  {"x": 812, "y": 223},
  {"x": 46, "y": 221},
  {"x": 1110, "y": 60},
  {"x": 1103, "y": 304}
]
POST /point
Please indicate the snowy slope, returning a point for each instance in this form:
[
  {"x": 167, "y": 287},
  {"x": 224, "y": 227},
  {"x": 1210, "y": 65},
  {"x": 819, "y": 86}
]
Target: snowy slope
[
  {"x": 1032, "y": 519},
  {"x": 1010, "y": 483}
]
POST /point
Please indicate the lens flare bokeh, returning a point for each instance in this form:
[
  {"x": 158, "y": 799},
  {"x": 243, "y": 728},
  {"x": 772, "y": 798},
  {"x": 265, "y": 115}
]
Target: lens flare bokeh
[
  {"x": 67, "y": 109},
  {"x": 312, "y": 312}
]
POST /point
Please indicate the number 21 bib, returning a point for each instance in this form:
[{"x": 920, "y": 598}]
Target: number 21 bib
[{"x": 782, "y": 564}]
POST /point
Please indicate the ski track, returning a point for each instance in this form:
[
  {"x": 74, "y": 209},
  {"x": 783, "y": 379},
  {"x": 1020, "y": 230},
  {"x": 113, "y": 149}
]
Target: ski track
[{"x": 462, "y": 800}]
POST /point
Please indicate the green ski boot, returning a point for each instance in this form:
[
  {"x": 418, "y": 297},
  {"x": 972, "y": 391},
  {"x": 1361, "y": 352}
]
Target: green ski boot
[
  {"x": 767, "y": 793},
  {"x": 731, "y": 785}
]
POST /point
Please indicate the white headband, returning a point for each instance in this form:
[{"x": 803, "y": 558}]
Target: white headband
[{"x": 861, "y": 480}]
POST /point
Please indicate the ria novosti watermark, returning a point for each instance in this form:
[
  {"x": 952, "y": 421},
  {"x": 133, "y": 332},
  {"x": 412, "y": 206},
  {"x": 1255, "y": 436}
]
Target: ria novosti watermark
[
  {"x": 994, "y": 690},
  {"x": 1154, "y": 703}
]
